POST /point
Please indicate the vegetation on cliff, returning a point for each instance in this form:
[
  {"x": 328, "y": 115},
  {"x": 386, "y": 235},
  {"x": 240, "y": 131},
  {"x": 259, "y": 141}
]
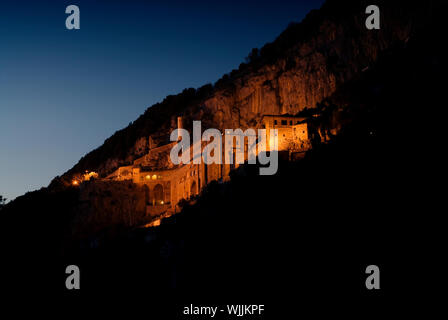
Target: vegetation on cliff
[
  {"x": 359, "y": 198},
  {"x": 304, "y": 65},
  {"x": 347, "y": 203}
]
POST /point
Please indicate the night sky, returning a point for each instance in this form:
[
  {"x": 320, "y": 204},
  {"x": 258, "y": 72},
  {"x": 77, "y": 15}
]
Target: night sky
[{"x": 63, "y": 92}]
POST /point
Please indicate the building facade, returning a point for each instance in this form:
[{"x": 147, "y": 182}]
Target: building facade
[{"x": 167, "y": 187}]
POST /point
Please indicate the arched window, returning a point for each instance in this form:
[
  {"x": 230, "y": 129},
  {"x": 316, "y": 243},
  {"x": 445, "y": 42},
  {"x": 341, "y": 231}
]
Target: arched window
[{"x": 158, "y": 194}]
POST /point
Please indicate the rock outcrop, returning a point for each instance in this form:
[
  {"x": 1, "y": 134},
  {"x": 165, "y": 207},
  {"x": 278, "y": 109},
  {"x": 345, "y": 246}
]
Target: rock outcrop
[{"x": 304, "y": 65}]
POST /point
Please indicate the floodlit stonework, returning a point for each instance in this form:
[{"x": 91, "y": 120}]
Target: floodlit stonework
[
  {"x": 292, "y": 131},
  {"x": 167, "y": 187}
]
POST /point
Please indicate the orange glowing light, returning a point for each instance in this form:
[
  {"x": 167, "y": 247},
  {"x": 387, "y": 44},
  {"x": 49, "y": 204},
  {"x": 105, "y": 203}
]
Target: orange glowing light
[
  {"x": 89, "y": 175},
  {"x": 75, "y": 182}
]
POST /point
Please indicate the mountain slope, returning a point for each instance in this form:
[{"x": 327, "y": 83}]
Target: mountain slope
[
  {"x": 304, "y": 65},
  {"x": 358, "y": 200}
]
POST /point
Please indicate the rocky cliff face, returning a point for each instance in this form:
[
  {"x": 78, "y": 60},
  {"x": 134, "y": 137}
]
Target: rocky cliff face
[
  {"x": 304, "y": 65},
  {"x": 340, "y": 47}
]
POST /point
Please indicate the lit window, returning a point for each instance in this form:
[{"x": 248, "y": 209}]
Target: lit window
[{"x": 154, "y": 177}]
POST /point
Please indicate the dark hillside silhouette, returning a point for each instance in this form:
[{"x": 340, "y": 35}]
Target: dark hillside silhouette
[
  {"x": 314, "y": 226},
  {"x": 303, "y": 235}
]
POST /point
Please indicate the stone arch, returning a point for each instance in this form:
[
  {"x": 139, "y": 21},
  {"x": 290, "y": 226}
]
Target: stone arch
[
  {"x": 193, "y": 189},
  {"x": 158, "y": 193}
]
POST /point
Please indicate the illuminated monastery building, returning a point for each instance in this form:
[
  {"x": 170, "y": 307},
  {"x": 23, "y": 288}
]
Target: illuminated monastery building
[{"x": 166, "y": 187}]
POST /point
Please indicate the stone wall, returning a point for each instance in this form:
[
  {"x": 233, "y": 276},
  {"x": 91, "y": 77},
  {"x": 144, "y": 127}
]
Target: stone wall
[{"x": 103, "y": 204}]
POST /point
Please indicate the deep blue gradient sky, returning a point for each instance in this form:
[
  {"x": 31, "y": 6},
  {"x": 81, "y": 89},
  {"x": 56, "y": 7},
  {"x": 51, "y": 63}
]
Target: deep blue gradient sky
[{"x": 63, "y": 92}]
